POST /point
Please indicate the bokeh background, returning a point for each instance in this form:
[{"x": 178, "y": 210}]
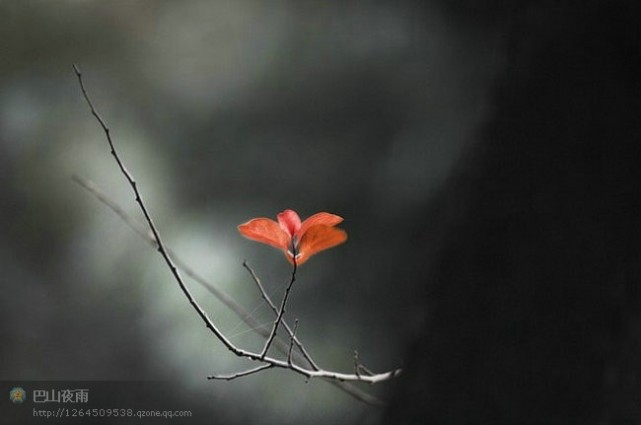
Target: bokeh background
[{"x": 224, "y": 111}]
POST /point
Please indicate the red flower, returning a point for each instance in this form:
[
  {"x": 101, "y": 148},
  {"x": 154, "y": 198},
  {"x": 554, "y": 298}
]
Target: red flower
[{"x": 315, "y": 234}]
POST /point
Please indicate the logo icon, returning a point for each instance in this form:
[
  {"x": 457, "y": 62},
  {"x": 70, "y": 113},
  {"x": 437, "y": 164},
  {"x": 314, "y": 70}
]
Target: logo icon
[{"x": 17, "y": 395}]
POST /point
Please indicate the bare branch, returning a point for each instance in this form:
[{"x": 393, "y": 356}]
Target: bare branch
[
  {"x": 291, "y": 343},
  {"x": 221, "y": 295},
  {"x": 268, "y": 362},
  {"x": 240, "y": 374},
  {"x": 281, "y": 311},
  {"x": 359, "y": 367},
  {"x": 269, "y": 302},
  {"x": 161, "y": 247}
]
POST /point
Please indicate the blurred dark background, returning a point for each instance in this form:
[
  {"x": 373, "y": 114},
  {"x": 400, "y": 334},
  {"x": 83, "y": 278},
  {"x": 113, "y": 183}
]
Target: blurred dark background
[
  {"x": 532, "y": 293},
  {"x": 471, "y": 150}
]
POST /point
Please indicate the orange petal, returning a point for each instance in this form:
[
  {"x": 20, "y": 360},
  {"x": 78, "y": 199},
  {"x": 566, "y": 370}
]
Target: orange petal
[
  {"x": 289, "y": 221},
  {"x": 318, "y": 238},
  {"x": 321, "y": 218},
  {"x": 266, "y": 231}
]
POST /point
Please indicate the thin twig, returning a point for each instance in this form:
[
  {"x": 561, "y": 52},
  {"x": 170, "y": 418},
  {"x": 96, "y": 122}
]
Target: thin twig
[
  {"x": 328, "y": 374},
  {"x": 291, "y": 343},
  {"x": 241, "y": 374},
  {"x": 271, "y": 304},
  {"x": 359, "y": 367},
  {"x": 366, "y": 370},
  {"x": 281, "y": 311}
]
